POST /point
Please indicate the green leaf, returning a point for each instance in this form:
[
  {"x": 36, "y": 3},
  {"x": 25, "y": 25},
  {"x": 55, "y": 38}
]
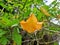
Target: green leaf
[
  {"x": 27, "y": 13},
  {"x": 46, "y": 7},
  {"x": 21, "y": 6},
  {"x": 39, "y": 1},
  {"x": 16, "y": 21},
  {"x": 28, "y": 4},
  {"x": 54, "y": 2},
  {"x": 3, "y": 40},
  {"x": 39, "y": 16},
  {"x": 6, "y": 21},
  {"x": 2, "y": 4},
  {"x": 56, "y": 43},
  {"x": 17, "y": 37},
  {"x": 23, "y": 0},
  {"x": 2, "y": 32}
]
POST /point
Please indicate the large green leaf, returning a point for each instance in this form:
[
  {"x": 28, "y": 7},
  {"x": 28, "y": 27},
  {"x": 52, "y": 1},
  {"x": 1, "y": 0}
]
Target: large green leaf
[
  {"x": 3, "y": 41},
  {"x": 5, "y": 22},
  {"x": 2, "y": 32},
  {"x": 17, "y": 37}
]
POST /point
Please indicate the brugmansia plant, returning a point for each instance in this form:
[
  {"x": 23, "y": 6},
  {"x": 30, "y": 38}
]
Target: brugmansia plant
[{"x": 22, "y": 21}]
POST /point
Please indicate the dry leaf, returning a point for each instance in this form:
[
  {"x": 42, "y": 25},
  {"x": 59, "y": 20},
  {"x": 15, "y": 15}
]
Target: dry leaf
[
  {"x": 44, "y": 11},
  {"x": 58, "y": 16},
  {"x": 14, "y": 43}
]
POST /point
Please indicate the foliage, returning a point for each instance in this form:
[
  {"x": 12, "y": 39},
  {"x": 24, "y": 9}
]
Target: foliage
[{"x": 13, "y": 11}]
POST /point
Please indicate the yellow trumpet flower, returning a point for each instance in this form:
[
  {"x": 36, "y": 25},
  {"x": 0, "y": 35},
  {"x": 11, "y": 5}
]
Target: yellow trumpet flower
[{"x": 31, "y": 24}]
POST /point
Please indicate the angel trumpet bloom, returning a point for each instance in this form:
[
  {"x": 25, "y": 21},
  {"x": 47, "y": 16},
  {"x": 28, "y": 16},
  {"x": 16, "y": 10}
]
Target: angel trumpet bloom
[{"x": 31, "y": 24}]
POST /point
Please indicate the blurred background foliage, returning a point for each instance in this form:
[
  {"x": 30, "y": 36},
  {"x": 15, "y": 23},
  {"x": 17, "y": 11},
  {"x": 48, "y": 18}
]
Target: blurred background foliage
[{"x": 13, "y": 11}]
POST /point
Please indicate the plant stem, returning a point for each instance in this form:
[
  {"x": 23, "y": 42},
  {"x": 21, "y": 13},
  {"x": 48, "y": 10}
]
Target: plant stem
[{"x": 36, "y": 38}]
